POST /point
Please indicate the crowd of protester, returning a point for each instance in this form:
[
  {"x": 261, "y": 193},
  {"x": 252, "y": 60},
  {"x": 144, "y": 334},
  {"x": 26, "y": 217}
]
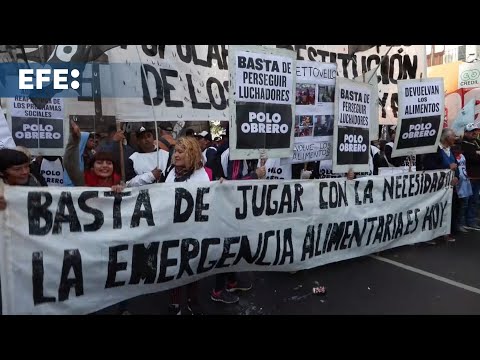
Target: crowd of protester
[{"x": 150, "y": 155}]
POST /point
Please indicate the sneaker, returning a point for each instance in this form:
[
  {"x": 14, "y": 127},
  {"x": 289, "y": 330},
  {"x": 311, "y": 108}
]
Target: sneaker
[
  {"x": 238, "y": 285},
  {"x": 174, "y": 309},
  {"x": 449, "y": 238},
  {"x": 472, "y": 227},
  {"x": 224, "y": 296},
  {"x": 462, "y": 229},
  {"x": 194, "y": 308},
  {"x": 431, "y": 242}
]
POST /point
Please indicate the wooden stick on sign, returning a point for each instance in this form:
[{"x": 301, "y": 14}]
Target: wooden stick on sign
[{"x": 122, "y": 162}]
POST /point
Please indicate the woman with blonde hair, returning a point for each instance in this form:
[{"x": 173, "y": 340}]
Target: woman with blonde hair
[{"x": 187, "y": 165}]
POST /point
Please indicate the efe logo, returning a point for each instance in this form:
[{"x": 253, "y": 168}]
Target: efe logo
[{"x": 44, "y": 76}]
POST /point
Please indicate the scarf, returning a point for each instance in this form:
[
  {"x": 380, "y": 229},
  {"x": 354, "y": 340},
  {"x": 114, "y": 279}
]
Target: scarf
[{"x": 182, "y": 174}]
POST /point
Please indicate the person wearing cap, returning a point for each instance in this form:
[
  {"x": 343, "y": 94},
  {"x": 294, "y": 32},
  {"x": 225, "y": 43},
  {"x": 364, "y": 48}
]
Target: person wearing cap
[
  {"x": 189, "y": 132},
  {"x": 165, "y": 139},
  {"x": 217, "y": 141},
  {"x": 471, "y": 151},
  {"x": 147, "y": 165},
  {"x": 208, "y": 151}
]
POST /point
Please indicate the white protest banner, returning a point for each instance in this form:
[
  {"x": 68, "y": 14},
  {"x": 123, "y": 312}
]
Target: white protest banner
[
  {"x": 420, "y": 119},
  {"x": 315, "y": 93},
  {"x": 262, "y": 104},
  {"x": 397, "y": 62},
  {"x": 185, "y": 82},
  {"x": 190, "y": 82},
  {"x": 351, "y": 135},
  {"x": 393, "y": 171},
  {"x": 469, "y": 75},
  {"x": 6, "y": 140},
  {"x": 39, "y": 130},
  {"x": 77, "y": 250}
]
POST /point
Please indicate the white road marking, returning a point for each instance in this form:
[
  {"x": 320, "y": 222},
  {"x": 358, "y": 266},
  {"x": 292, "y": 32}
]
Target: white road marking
[{"x": 427, "y": 274}]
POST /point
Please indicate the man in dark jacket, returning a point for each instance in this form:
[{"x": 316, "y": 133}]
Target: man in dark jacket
[{"x": 471, "y": 151}]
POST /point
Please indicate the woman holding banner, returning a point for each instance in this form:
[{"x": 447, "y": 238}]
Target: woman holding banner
[
  {"x": 100, "y": 174},
  {"x": 187, "y": 166},
  {"x": 14, "y": 170}
]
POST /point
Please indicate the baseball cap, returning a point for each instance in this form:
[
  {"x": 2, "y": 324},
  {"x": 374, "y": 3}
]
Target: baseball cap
[
  {"x": 471, "y": 127},
  {"x": 166, "y": 125},
  {"x": 142, "y": 130},
  {"x": 204, "y": 134}
]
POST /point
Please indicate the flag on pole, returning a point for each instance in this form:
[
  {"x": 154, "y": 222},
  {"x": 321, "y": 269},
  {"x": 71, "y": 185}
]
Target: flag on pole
[{"x": 464, "y": 117}]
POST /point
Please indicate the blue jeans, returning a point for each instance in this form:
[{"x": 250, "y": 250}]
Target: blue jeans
[{"x": 472, "y": 205}]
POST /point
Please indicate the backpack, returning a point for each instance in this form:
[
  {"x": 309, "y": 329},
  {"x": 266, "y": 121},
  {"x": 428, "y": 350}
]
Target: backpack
[{"x": 216, "y": 165}]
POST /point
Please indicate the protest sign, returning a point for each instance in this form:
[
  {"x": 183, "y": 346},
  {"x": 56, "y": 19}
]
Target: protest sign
[
  {"x": 262, "y": 103},
  {"x": 6, "y": 140},
  {"x": 314, "y": 97},
  {"x": 420, "y": 119},
  {"x": 39, "y": 130},
  {"x": 351, "y": 136}
]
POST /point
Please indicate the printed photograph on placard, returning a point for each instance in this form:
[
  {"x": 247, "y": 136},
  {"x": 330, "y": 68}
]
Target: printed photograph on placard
[
  {"x": 315, "y": 93},
  {"x": 305, "y": 94},
  {"x": 326, "y": 94},
  {"x": 303, "y": 125},
  {"x": 323, "y": 125}
]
